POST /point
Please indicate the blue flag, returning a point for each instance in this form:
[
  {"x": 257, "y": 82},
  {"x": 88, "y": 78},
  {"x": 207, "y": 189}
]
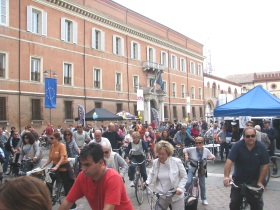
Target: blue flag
[
  {"x": 159, "y": 81},
  {"x": 50, "y": 92}
]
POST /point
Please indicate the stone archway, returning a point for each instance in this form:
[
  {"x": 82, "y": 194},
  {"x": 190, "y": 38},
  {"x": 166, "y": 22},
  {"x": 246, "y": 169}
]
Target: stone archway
[{"x": 209, "y": 111}]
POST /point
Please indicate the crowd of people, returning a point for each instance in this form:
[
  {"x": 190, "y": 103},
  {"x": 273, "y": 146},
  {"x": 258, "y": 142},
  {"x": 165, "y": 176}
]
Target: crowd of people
[{"x": 107, "y": 153}]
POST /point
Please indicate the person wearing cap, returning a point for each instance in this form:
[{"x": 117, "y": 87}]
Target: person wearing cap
[
  {"x": 272, "y": 135},
  {"x": 212, "y": 132},
  {"x": 198, "y": 153}
]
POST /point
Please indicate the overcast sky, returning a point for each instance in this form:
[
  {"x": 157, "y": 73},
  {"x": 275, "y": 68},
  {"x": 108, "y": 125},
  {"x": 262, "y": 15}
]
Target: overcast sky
[{"x": 242, "y": 35}]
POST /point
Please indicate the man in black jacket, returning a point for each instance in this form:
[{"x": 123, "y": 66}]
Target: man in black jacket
[{"x": 113, "y": 136}]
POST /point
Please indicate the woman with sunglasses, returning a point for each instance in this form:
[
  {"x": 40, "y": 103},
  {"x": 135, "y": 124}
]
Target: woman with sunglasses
[
  {"x": 71, "y": 145},
  {"x": 113, "y": 159},
  {"x": 30, "y": 149},
  {"x": 198, "y": 153},
  {"x": 168, "y": 172},
  {"x": 61, "y": 166}
]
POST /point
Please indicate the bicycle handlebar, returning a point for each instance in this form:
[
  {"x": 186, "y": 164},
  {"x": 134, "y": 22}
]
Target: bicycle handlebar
[
  {"x": 138, "y": 163},
  {"x": 170, "y": 192}
]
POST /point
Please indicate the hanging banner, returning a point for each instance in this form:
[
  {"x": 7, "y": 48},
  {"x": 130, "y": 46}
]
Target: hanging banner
[
  {"x": 243, "y": 120},
  {"x": 188, "y": 104},
  {"x": 140, "y": 100},
  {"x": 155, "y": 113},
  {"x": 81, "y": 115},
  {"x": 50, "y": 92}
]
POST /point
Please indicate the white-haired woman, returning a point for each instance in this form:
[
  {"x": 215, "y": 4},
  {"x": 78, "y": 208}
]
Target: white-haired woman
[{"x": 113, "y": 159}]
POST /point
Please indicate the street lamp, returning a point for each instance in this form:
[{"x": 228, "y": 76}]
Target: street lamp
[{"x": 50, "y": 90}]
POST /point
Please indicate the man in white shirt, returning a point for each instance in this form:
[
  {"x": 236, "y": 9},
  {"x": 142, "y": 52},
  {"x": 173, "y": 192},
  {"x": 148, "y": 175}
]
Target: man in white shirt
[
  {"x": 99, "y": 139},
  {"x": 80, "y": 136}
]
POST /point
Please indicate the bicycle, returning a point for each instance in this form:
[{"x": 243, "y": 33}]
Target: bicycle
[
  {"x": 151, "y": 152},
  {"x": 178, "y": 152},
  {"x": 44, "y": 141},
  {"x": 56, "y": 187},
  {"x": 153, "y": 197},
  {"x": 272, "y": 166},
  {"x": 138, "y": 183},
  {"x": 13, "y": 167},
  {"x": 248, "y": 192}
]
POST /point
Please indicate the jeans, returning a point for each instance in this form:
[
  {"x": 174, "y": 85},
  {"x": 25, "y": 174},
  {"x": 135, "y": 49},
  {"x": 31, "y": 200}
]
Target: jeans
[
  {"x": 7, "y": 158},
  {"x": 224, "y": 146},
  {"x": 236, "y": 200},
  {"x": 201, "y": 184},
  {"x": 132, "y": 168}
]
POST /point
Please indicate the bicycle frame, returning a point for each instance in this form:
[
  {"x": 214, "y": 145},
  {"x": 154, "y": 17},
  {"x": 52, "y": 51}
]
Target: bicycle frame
[
  {"x": 138, "y": 183},
  {"x": 153, "y": 197}
]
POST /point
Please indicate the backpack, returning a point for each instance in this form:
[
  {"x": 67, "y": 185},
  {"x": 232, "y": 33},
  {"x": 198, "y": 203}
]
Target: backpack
[{"x": 8, "y": 145}]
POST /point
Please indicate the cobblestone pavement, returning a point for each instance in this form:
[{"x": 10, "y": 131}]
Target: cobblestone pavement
[{"x": 217, "y": 194}]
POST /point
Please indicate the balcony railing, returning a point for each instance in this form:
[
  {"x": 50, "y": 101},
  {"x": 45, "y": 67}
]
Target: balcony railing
[
  {"x": 2, "y": 72},
  {"x": 118, "y": 87},
  {"x": 152, "y": 66},
  {"x": 35, "y": 76},
  {"x": 97, "y": 84},
  {"x": 67, "y": 80}
]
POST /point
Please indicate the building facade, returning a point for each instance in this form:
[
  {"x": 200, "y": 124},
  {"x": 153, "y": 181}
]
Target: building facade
[
  {"x": 218, "y": 91},
  {"x": 268, "y": 80},
  {"x": 100, "y": 53}
]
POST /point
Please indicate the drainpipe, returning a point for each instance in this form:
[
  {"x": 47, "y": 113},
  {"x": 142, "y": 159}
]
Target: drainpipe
[
  {"x": 84, "y": 66},
  {"x": 19, "y": 65},
  {"x": 127, "y": 75}
]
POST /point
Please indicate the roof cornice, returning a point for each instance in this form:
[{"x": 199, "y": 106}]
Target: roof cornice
[{"x": 90, "y": 14}]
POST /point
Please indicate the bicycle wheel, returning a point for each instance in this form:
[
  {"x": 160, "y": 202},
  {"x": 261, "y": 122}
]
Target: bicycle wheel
[
  {"x": 194, "y": 190},
  {"x": 245, "y": 205},
  {"x": 150, "y": 199},
  {"x": 60, "y": 193},
  {"x": 54, "y": 192},
  {"x": 139, "y": 192}
]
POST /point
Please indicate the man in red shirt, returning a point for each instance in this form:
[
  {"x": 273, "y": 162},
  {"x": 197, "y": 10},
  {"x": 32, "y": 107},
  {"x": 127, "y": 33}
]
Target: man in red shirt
[{"x": 103, "y": 187}]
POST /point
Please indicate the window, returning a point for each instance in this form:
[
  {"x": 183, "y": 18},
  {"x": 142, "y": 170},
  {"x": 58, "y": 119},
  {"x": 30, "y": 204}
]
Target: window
[
  {"x": 135, "y": 52},
  {"x": 36, "y": 109},
  {"x": 4, "y": 12},
  {"x": 214, "y": 90},
  {"x": 3, "y": 106},
  {"x": 200, "y": 112},
  {"x": 151, "y": 82},
  {"x": 35, "y": 69},
  {"x": 175, "y": 115},
  {"x": 192, "y": 68},
  {"x": 151, "y": 54},
  {"x": 200, "y": 93},
  {"x": 193, "y": 112},
  {"x": 164, "y": 59},
  {"x": 36, "y": 21},
  {"x": 273, "y": 86},
  {"x": 2, "y": 65},
  {"x": 229, "y": 90},
  {"x": 135, "y": 109},
  {"x": 164, "y": 86},
  {"x": 183, "y": 91},
  {"x": 192, "y": 93},
  {"x": 119, "y": 108},
  {"x": 199, "y": 70},
  {"x": 97, "y": 78},
  {"x": 68, "y": 109},
  {"x": 165, "y": 111},
  {"x": 173, "y": 62},
  {"x": 173, "y": 89},
  {"x": 182, "y": 64},
  {"x": 97, "y": 105},
  {"x": 67, "y": 74},
  {"x": 135, "y": 83},
  {"x": 184, "y": 112},
  {"x": 118, "y": 45},
  {"x": 97, "y": 39},
  {"x": 69, "y": 31},
  {"x": 118, "y": 81}
]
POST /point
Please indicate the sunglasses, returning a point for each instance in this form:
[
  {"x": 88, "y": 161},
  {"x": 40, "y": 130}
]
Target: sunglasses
[
  {"x": 106, "y": 152},
  {"x": 79, "y": 127},
  {"x": 67, "y": 134},
  {"x": 250, "y": 136},
  {"x": 198, "y": 142}
]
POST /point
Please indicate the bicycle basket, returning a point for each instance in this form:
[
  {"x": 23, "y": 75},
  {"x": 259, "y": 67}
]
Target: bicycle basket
[{"x": 253, "y": 193}]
